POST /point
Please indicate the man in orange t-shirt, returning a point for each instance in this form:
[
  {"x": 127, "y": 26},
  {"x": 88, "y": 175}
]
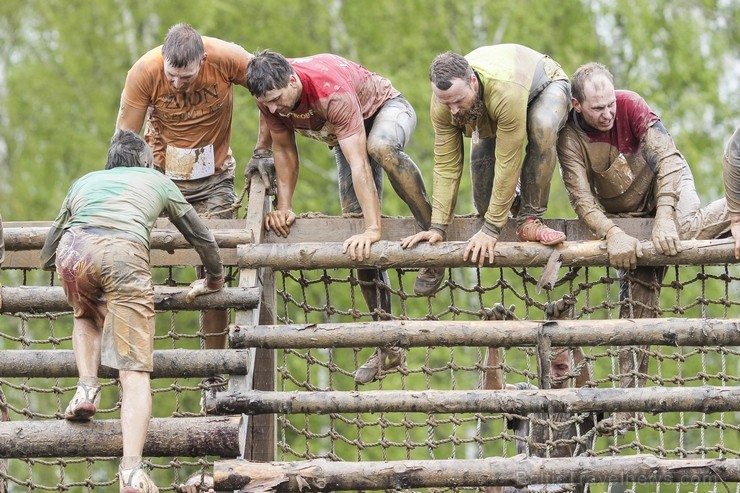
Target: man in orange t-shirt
[{"x": 183, "y": 90}]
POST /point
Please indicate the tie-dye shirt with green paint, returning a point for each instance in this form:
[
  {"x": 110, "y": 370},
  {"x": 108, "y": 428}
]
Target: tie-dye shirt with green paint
[{"x": 126, "y": 200}]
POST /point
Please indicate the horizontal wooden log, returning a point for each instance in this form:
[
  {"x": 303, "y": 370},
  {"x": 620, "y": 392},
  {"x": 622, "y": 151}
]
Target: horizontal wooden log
[
  {"x": 308, "y": 227},
  {"x": 29, "y": 259},
  {"x": 323, "y": 475},
  {"x": 168, "y": 363},
  {"x": 704, "y": 399},
  {"x": 506, "y": 333},
  {"x": 33, "y": 238},
  {"x": 37, "y": 299},
  {"x": 167, "y": 437},
  {"x": 389, "y": 254}
]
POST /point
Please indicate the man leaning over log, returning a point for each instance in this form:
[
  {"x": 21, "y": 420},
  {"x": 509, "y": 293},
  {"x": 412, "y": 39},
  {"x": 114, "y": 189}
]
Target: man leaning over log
[
  {"x": 367, "y": 122},
  {"x": 99, "y": 244},
  {"x": 618, "y": 160}
]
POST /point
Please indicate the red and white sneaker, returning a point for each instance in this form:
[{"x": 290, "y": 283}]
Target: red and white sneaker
[{"x": 534, "y": 230}]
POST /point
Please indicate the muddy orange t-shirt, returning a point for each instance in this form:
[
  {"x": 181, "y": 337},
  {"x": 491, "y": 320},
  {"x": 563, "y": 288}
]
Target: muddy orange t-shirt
[{"x": 199, "y": 118}]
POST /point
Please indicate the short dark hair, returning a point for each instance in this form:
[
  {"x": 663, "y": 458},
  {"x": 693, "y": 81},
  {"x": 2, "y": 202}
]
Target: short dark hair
[
  {"x": 182, "y": 46},
  {"x": 449, "y": 66},
  {"x": 267, "y": 71},
  {"x": 128, "y": 150},
  {"x": 583, "y": 74}
]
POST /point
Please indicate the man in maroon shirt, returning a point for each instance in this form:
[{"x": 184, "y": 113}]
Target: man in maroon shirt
[
  {"x": 618, "y": 160},
  {"x": 367, "y": 122}
]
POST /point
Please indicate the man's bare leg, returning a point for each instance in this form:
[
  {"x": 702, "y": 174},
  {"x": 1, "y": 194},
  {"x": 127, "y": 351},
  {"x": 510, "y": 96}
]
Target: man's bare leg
[{"x": 136, "y": 412}]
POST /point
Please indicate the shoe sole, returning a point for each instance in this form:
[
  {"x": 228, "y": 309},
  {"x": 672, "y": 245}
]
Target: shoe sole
[
  {"x": 546, "y": 243},
  {"x": 553, "y": 242},
  {"x": 83, "y": 412}
]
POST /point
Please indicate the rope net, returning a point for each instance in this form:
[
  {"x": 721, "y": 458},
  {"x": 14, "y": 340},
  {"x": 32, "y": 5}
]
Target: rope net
[
  {"x": 335, "y": 296},
  {"x": 46, "y": 398},
  {"x": 473, "y": 294}
]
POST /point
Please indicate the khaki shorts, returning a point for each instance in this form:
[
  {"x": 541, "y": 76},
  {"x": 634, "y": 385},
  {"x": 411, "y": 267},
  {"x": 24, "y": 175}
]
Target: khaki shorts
[
  {"x": 107, "y": 279},
  {"x": 212, "y": 197}
]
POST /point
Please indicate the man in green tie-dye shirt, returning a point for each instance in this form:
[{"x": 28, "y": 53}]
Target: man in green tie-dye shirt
[{"x": 99, "y": 244}]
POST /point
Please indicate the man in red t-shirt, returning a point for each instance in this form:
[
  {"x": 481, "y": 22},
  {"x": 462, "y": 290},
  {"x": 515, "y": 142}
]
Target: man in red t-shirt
[
  {"x": 367, "y": 122},
  {"x": 618, "y": 160}
]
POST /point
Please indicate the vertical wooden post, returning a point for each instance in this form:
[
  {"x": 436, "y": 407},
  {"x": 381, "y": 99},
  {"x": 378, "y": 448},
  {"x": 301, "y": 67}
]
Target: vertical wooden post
[{"x": 257, "y": 436}]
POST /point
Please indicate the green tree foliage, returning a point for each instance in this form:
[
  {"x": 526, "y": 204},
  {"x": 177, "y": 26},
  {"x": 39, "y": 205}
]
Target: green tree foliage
[{"x": 64, "y": 63}]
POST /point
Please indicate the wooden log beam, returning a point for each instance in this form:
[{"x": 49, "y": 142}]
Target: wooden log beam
[
  {"x": 167, "y": 437},
  {"x": 30, "y": 235},
  {"x": 37, "y": 299},
  {"x": 703, "y": 399},
  {"x": 504, "y": 333},
  {"x": 389, "y": 255},
  {"x": 168, "y": 363},
  {"x": 323, "y": 475},
  {"x": 32, "y": 238}
]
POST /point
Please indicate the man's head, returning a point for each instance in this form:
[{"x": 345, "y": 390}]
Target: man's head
[
  {"x": 594, "y": 99},
  {"x": 183, "y": 54},
  {"x": 273, "y": 82},
  {"x": 127, "y": 149},
  {"x": 455, "y": 85},
  {"x": 560, "y": 368}
]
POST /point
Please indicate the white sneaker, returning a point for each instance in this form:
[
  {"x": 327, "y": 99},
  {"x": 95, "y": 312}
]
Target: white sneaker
[
  {"x": 136, "y": 480},
  {"x": 84, "y": 404}
]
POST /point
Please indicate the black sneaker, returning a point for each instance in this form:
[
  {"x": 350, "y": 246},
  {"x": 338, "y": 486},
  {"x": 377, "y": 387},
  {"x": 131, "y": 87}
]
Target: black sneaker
[{"x": 428, "y": 280}]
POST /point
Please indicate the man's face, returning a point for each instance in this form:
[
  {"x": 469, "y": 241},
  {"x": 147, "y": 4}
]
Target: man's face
[
  {"x": 559, "y": 370},
  {"x": 182, "y": 77},
  {"x": 599, "y": 106},
  {"x": 281, "y": 101},
  {"x": 462, "y": 100}
]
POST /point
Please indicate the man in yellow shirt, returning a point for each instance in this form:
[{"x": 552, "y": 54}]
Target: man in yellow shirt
[{"x": 501, "y": 96}]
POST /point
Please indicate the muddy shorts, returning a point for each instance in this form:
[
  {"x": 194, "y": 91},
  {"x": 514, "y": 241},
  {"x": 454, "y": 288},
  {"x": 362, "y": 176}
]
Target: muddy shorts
[
  {"x": 212, "y": 197},
  {"x": 107, "y": 279}
]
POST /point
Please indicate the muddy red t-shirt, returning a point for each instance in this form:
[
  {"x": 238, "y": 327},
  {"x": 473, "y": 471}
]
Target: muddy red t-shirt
[
  {"x": 634, "y": 116},
  {"x": 338, "y": 96}
]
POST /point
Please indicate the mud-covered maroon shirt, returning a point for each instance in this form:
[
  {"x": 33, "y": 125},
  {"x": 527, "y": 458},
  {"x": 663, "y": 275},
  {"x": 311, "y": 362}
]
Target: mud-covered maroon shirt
[
  {"x": 338, "y": 96},
  {"x": 626, "y": 171}
]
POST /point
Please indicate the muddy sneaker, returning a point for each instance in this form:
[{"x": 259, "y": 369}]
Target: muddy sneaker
[
  {"x": 428, "y": 280},
  {"x": 84, "y": 404},
  {"x": 382, "y": 359},
  {"x": 136, "y": 480},
  {"x": 534, "y": 230}
]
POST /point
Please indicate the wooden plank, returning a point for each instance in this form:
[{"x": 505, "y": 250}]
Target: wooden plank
[{"x": 313, "y": 227}]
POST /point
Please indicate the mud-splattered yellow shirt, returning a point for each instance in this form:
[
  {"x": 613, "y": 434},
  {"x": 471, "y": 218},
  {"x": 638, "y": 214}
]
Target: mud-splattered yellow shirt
[{"x": 508, "y": 75}]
